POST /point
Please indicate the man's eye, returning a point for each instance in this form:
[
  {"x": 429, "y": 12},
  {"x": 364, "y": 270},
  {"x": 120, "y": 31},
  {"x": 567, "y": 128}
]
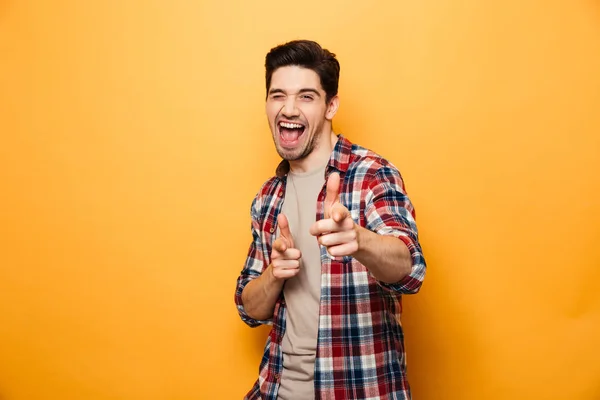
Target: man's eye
[
  {"x": 306, "y": 97},
  {"x": 277, "y": 97}
]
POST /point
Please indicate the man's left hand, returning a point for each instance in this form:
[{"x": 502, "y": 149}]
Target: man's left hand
[{"x": 337, "y": 231}]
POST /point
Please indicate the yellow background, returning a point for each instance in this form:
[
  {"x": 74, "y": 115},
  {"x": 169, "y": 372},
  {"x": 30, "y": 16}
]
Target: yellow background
[{"x": 133, "y": 139}]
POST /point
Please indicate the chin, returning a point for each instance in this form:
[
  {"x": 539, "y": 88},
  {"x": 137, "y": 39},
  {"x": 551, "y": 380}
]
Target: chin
[{"x": 290, "y": 155}]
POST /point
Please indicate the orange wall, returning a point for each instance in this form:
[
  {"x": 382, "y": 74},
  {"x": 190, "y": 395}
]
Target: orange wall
[{"x": 133, "y": 138}]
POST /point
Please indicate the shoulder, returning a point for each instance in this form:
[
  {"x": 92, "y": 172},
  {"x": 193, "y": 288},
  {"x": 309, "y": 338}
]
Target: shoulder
[
  {"x": 369, "y": 164},
  {"x": 269, "y": 186}
]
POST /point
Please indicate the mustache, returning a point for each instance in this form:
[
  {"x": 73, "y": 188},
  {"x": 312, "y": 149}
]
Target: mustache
[{"x": 297, "y": 119}]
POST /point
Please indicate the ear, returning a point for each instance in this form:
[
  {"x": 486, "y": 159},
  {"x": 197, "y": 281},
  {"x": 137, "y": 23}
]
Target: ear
[{"x": 332, "y": 107}]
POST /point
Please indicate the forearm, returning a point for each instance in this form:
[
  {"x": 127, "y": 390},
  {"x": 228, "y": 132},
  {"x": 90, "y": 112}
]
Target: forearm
[
  {"x": 261, "y": 294},
  {"x": 386, "y": 257}
]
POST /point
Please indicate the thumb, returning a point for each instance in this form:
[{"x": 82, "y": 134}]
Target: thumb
[
  {"x": 333, "y": 192},
  {"x": 339, "y": 212},
  {"x": 284, "y": 229}
]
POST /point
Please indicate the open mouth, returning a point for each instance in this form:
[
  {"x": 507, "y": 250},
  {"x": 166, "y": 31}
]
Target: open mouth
[{"x": 290, "y": 132}]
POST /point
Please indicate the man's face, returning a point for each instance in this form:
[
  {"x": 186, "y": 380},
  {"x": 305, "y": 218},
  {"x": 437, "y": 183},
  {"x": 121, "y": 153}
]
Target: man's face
[{"x": 297, "y": 111}]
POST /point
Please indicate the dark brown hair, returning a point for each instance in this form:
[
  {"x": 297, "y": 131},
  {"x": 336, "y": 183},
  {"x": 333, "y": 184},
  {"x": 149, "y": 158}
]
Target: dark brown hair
[{"x": 305, "y": 54}]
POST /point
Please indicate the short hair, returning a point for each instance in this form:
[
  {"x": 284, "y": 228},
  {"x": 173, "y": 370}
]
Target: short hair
[{"x": 306, "y": 54}]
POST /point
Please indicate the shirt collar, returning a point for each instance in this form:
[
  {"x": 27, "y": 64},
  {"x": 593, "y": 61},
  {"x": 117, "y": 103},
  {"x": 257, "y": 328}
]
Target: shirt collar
[{"x": 339, "y": 160}]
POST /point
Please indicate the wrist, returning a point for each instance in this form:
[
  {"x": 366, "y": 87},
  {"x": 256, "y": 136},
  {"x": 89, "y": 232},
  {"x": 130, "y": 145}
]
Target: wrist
[
  {"x": 362, "y": 238},
  {"x": 271, "y": 278}
]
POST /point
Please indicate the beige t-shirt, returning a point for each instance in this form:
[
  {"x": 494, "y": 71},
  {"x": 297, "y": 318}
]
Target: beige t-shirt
[{"x": 302, "y": 292}]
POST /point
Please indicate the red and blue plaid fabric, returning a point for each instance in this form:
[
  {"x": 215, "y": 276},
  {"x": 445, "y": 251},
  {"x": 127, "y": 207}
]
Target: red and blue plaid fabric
[{"x": 360, "y": 349}]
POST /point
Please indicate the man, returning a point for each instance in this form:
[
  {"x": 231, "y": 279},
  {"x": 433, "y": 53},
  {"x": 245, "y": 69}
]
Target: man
[{"x": 334, "y": 247}]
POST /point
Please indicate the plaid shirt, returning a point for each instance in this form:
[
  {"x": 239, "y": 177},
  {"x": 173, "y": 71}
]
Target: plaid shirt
[{"x": 360, "y": 348}]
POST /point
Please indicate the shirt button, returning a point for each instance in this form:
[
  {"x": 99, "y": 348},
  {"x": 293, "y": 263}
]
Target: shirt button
[
  {"x": 280, "y": 193},
  {"x": 276, "y": 377},
  {"x": 272, "y": 230}
]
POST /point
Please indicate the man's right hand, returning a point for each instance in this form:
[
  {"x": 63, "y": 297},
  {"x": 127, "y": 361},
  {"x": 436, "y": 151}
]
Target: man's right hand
[{"x": 285, "y": 259}]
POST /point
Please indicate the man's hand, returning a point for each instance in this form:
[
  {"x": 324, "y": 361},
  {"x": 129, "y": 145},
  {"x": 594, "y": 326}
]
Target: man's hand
[
  {"x": 337, "y": 231},
  {"x": 285, "y": 259}
]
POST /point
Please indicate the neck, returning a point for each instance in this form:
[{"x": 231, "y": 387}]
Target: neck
[{"x": 318, "y": 157}]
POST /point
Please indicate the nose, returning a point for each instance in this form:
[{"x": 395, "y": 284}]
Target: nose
[{"x": 289, "y": 107}]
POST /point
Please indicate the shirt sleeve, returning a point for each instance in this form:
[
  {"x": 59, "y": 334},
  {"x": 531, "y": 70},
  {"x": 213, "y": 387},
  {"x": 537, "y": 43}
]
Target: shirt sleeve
[
  {"x": 389, "y": 211},
  {"x": 253, "y": 267}
]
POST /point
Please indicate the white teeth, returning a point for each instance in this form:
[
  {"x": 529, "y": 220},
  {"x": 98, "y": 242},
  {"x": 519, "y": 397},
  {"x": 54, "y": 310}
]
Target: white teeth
[{"x": 291, "y": 126}]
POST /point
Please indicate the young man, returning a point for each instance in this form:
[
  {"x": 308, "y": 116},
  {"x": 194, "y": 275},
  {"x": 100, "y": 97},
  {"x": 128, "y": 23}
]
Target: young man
[{"x": 334, "y": 248}]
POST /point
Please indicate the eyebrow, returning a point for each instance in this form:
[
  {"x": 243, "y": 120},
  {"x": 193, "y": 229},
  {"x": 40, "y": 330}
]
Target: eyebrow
[{"x": 304, "y": 90}]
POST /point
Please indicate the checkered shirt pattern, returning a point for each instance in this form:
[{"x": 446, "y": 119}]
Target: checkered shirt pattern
[{"x": 360, "y": 347}]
